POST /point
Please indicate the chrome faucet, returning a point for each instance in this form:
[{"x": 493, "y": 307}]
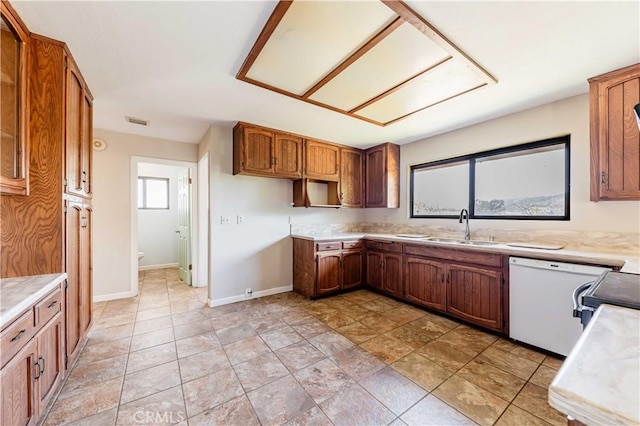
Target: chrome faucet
[{"x": 464, "y": 214}]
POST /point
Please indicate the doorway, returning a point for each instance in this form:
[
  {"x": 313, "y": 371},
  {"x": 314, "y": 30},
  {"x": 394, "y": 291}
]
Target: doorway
[{"x": 164, "y": 218}]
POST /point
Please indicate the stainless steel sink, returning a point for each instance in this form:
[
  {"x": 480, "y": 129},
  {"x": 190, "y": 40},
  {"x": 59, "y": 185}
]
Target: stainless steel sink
[
  {"x": 479, "y": 243},
  {"x": 443, "y": 240}
]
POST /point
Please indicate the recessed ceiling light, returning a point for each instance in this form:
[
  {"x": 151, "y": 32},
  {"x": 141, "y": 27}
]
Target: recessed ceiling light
[{"x": 138, "y": 121}]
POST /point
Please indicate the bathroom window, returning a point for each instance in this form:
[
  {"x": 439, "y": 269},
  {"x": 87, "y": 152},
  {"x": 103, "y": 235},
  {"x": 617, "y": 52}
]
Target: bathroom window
[
  {"x": 153, "y": 193},
  {"x": 528, "y": 181}
]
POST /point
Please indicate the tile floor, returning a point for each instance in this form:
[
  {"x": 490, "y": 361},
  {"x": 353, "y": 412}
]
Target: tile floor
[{"x": 354, "y": 359}]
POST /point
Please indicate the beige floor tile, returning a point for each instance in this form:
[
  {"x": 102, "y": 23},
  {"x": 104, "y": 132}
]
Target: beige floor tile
[
  {"x": 281, "y": 338},
  {"x": 100, "y": 351},
  {"x": 474, "y": 402},
  {"x": 86, "y": 375},
  {"x": 190, "y": 317},
  {"x": 267, "y": 323},
  {"x": 514, "y": 416},
  {"x": 196, "y": 344},
  {"x": 357, "y": 362},
  {"x": 152, "y": 325},
  {"x": 203, "y": 363},
  {"x": 260, "y": 371},
  {"x": 552, "y": 362},
  {"x": 153, "y": 313},
  {"x": 311, "y": 328},
  {"x": 237, "y": 411},
  {"x": 379, "y": 324},
  {"x": 211, "y": 390},
  {"x": 543, "y": 376},
  {"x": 358, "y": 312},
  {"x": 244, "y": 350},
  {"x": 299, "y": 355},
  {"x": 533, "y": 399},
  {"x": 403, "y": 315},
  {"x": 435, "y": 323},
  {"x": 394, "y": 390},
  {"x": 430, "y": 411},
  {"x": 468, "y": 340},
  {"x": 147, "y": 382},
  {"x": 445, "y": 355},
  {"x": 492, "y": 379},
  {"x": 409, "y": 336},
  {"x": 518, "y": 350},
  {"x": 166, "y": 407},
  {"x": 107, "y": 334},
  {"x": 322, "y": 380},
  {"x": 330, "y": 343},
  {"x": 386, "y": 348},
  {"x": 280, "y": 401},
  {"x": 103, "y": 418},
  {"x": 153, "y": 338},
  {"x": 357, "y": 332},
  {"x": 151, "y": 357},
  {"x": 313, "y": 417},
  {"x": 112, "y": 321},
  {"x": 187, "y": 330},
  {"x": 425, "y": 373},
  {"x": 234, "y": 334},
  {"x": 296, "y": 316},
  {"x": 336, "y": 319},
  {"x": 355, "y": 406},
  {"x": 509, "y": 362}
]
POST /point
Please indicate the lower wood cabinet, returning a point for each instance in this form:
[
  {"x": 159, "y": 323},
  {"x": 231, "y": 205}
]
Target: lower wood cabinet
[
  {"x": 425, "y": 282},
  {"x": 327, "y": 267},
  {"x": 30, "y": 379},
  {"x": 384, "y": 266},
  {"x": 475, "y": 294}
]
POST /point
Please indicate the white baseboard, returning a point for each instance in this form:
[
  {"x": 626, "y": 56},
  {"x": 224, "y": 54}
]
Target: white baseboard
[
  {"x": 166, "y": 265},
  {"x": 256, "y": 294},
  {"x": 114, "y": 296}
]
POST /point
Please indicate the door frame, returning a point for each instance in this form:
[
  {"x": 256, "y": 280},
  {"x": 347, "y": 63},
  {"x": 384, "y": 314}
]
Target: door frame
[{"x": 195, "y": 234}]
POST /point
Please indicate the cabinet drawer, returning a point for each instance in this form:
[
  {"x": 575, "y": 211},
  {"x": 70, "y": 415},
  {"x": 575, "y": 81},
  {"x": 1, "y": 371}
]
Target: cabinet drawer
[
  {"x": 392, "y": 246},
  {"x": 336, "y": 245},
  {"x": 48, "y": 307},
  {"x": 14, "y": 337},
  {"x": 487, "y": 259},
  {"x": 351, "y": 244},
  {"x": 373, "y": 245}
]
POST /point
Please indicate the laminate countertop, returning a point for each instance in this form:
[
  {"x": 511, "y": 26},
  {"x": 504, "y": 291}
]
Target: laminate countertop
[
  {"x": 599, "y": 382},
  {"x": 628, "y": 263},
  {"x": 17, "y": 294}
]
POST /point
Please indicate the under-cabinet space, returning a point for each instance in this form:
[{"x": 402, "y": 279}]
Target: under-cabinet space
[{"x": 314, "y": 193}]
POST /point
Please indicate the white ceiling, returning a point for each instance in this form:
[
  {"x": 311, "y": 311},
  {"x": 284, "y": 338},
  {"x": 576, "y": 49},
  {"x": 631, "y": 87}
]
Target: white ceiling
[{"x": 174, "y": 63}]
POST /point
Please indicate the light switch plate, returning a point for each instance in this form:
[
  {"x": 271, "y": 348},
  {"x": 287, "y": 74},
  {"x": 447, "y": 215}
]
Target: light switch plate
[{"x": 225, "y": 220}]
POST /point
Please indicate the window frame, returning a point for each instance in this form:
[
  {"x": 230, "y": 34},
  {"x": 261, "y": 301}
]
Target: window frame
[
  {"x": 471, "y": 159},
  {"x": 144, "y": 180}
]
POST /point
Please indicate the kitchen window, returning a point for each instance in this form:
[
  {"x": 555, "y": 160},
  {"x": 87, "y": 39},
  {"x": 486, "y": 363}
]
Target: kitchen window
[
  {"x": 153, "y": 193},
  {"x": 529, "y": 181}
]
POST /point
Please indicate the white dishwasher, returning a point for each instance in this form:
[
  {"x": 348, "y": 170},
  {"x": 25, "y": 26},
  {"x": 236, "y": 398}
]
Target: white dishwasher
[{"x": 541, "y": 302}]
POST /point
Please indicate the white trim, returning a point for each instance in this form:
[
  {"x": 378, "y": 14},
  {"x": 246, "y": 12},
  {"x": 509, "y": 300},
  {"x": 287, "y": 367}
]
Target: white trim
[
  {"x": 203, "y": 225},
  {"x": 113, "y": 296},
  {"x": 165, "y": 265},
  {"x": 133, "y": 236},
  {"x": 256, "y": 294}
]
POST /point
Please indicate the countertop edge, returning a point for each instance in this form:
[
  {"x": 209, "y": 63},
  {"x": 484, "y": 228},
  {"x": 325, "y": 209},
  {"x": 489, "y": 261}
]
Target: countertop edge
[{"x": 16, "y": 310}]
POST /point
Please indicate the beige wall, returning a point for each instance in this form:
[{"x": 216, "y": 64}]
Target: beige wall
[
  {"x": 257, "y": 254},
  {"x": 112, "y": 231},
  {"x": 569, "y": 116}
]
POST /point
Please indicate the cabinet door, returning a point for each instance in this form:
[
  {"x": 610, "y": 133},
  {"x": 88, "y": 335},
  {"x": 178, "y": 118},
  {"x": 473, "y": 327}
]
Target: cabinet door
[
  {"x": 382, "y": 176},
  {"x": 74, "y": 129},
  {"x": 615, "y": 138},
  {"x": 327, "y": 272},
  {"x": 321, "y": 161},
  {"x": 351, "y": 268},
  {"x": 392, "y": 274},
  {"x": 424, "y": 282},
  {"x": 86, "y": 285},
  {"x": 72, "y": 292},
  {"x": 351, "y": 177},
  {"x": 14, "y": 103},
  {"x": 257, "y": 154},
  {"x": 17, "y": 388},
  {"x": 374, "y": 269},
  {"x": 474, "y": 294},
  {"x": 50, "y": 347},
  {"x": 87, "y": 144},
  {"x": 288, "y": 156}
]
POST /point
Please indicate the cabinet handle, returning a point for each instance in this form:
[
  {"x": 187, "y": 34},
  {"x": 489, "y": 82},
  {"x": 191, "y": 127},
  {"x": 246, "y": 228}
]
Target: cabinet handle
[
  {"x": 603, "y": 178},
  {"x": 52, "y": 304},
  {"x": 38, "y": 372},
  {"x": 43, "y": 364},
  {"x": 447, "y": 278},
  {"x": 18, "y": 336},
  {"x": 442, "y": 279},
  {"x": 83, "y": 222},
  {"x": 84, "y": 177}
]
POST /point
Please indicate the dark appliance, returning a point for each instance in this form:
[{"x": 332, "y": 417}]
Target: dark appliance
[{"x": 613, "y": 288}]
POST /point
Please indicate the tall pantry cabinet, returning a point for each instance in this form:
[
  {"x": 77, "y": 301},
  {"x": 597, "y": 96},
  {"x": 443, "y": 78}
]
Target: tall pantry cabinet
[{"x": 49, "y": 231}]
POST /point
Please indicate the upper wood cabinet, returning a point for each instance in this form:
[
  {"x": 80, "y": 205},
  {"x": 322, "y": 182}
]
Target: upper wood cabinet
[
  {"x": 321, "y": 161},
  {"x": 615, "y": 156},
  {"x": 14, "y": 102},
  {"x": 382, "y": 171},
  {"x": 351, "y": 177},
  {"x": 259, "y": 151},
  {"x": 79, "y": 136}
]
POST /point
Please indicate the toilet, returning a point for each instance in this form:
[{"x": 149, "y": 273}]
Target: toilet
[{"x": 140, "y": 255}]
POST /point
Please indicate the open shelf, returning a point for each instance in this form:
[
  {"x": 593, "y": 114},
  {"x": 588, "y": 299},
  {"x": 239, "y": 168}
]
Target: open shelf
[{"x": 315, "y": 193}]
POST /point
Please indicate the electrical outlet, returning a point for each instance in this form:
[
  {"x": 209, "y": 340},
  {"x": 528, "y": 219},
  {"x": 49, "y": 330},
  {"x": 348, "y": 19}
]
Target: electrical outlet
[
  {"x": 240, "y": 219},
  {"x": 248, "y": 293},
  {"x": 387, "y": 218},
  {"x": 225, "y": 220}
]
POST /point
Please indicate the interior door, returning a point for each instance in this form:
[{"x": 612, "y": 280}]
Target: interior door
[{"x": 184, "y": 215}]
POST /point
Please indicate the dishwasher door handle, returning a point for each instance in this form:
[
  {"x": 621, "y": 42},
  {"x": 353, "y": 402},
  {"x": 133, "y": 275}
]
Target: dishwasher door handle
[{"x": 577, "y": 293}]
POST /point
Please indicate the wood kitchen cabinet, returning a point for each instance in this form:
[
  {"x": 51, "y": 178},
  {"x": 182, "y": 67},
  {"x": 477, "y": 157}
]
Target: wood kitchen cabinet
[
  {"x": 475, "y": 294},
  {"x": 384, "y": 266},
  {"x": 79, "y": 133},
  {"x": 31, "y": 375},
  {"x": 425, "y": 282},
  {"x": 351, "y": 177},
  {"x": 321, "y": 161},
  {"x": 382, "y": 176},
  {"x": 615, "y": 156},
  {"x": 14, "y": 103},
  {"x": 258, "y": 151},
  {"x": 321, "y": 268}
]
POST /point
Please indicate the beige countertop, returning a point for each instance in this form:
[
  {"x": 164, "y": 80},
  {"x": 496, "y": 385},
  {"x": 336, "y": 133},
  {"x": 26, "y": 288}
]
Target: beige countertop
[
  {"x": 629, "y": 263},
  {"x": 17, "y": 294},
  {"x": 599, "y": 382}
]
